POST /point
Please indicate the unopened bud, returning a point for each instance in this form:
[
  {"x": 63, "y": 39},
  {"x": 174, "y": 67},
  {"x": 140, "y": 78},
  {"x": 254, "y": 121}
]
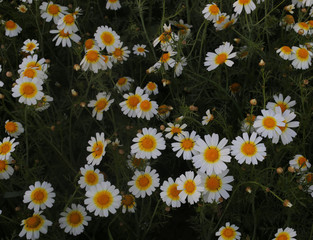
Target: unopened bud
[
  {"x": 267, "y": 189},
  {"x": 300, "y": 31},
  {"x": 16, "y": 167},
  {"x": 248, "y": 189},
  {"x": 17, "y": 208},
  {"x": 291, "y": 169},
  {"x": 76, "y": 67},
  {"x": 52, "y": 128},
  {"x": 220, "y": 199},
  {"x": 57, "y": 84},
  {"x": 280, "y": 170},
  {"x": 9, "y": 74},
  {"x": 287, "y": 203},
  {"x": 167, "y": 208},
  {"x": 162, "y": 127},
  {"x": 1, "y": 96},
  {"x": 305, "y": 81},
  {"x": 253, "y": 102},
  {"x": 165, "y": 82},
  {"x": 121, "y": 151},
  {"x": 237, "y": 40},
  {"x": 47, "y": 61},
  {"x": 74, "y": 93},
  {"x": 300, "y": 187},
  {"x": 82, "y": 104},
  {"x": 193, "y": 108},
  {"x": 304, "y": 10},
  {"x": 139, "y": 131},
  {"x": 261, "y": 63}
]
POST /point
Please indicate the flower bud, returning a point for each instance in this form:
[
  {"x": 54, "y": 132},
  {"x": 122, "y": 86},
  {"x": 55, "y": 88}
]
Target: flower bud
[
  {"x": 287, "y": 203},
  {"x": 261, "y": 63},
  {"x": 9, "y": 74},
  {"x": 280, "y": 170},
  {"x": 76, "y": 67},
  {"x": 253, "y": 102}
]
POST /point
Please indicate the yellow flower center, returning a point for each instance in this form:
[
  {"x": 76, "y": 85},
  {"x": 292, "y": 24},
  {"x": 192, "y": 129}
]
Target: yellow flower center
[
  {"x": 248, "y": 149},
  {"x": 133, "y": 101},
  {"x": 53, "y": 9},
  {"x": 176, "y": 130},
  {"x": 214, "y": 10},
  {"x": 29, "y": 72},
  {"x": 136, "y": 162},
  {"x": 103, "y": 199},
  {"x": 97, "y": 149},
  {"x": 282, "y": 106},
  {"x": 303, "y": 54},
  {"x": 165, "y": 37},
  {"x": 187, "y": 144},
  {"x": 289, "y": 19},
  {"x": 228, "y": 232},
  {"x": 89, "y": 44},
  {"x": 33, "y": 222},
  {"x": 165, "y": 57},
  {"x": 140, "y": 49},
  {"x": 91, "y": 177},
  {"x": 107, "y": 38},
  {"x": 151, "y": 86},
  {"x": 11, "y": 127},
  {"x": 163, "y": 109},
  {"x": 147, "y": 143},
  {"x": 283, "y": 129},
  {"x": 113, "y": 1},
  {"x": 211, "y": 155},
  {"x": 101, "y": 104},
  {"x": 145, "y": 105},
  {"x": 172, "y": 192},
  {"x": 128, "y": 200},
  {"x": 308, "y": 177},
  {"x": 28, "y": 89},
  {"x": 5, "y": 148},
  {"x": 302, "y": 162},
  {"x": 63, "y": 34},
  {"x": 69, "y": 19},
  {"x": 3, "y": 165},
  {"x": 34, "y": 65},
  {"x": 74, "y": 218},
  {"x": 269, "y": 122},
  {"x": 286, "y": 49},
  {"x": 243, "y": 2},
  {"x": 303, "y": 25},
  {"x": 221, "y": 58},
  {"x": 221, "y": 19},
  {"x": 282, "y": 236},
  {"x": 190, "y": 187},
  {"x": 144, "y": 181},
  {"x": 30, "y": 46},
  {"x": 122, "y": 81},
  {"x": 10, "y": 25},
  {"x": 39, "y": 195},
  {"x": 118, "y": 52},
  {"x": 213, "y": 183},
  {"x": 92, "y": 56}
]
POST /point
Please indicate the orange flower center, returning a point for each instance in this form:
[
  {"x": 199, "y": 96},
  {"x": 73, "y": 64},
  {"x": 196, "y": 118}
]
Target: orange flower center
[
  {"x": 163, "y": 109},
  {"x": 5, "y": 148},
  {"x": 11, "y": 127},
  {"x": 147, "y": 143},
  {"x": 228, "y": 232},
  {"x": 103, "y": 198},
  {"x": 140, "y": 49},
  {"x": 221, "y": 19},
  {"x": 63, "y": 34},
  {"x": 302, "y": 161},
  {"x": 151, "y": 86},
  {"x": 165, "y": 57},
  {"x": 143, "y": 181},
  {"x": 308, "y": 177},
  {"x": 243, "y": 2},
  {"x": 286, "y": 49},
  {"x": 269, "y": 123},
  {"x": 214, "y": 10},
  {"x": 33, "y": 222},
  {"x": 89, "y": 44},
  {"x": 10, "y": 24},
  {"x": 29, "y": 72},
  {"x": 30, "y": 46},
  {"x": 145, "y": 105},
  {"x": 136, "y": 162},
  {"x": 289, "y": 19},
  {"x": 173, "y": 193},
  {"x": 165, "y": 37},
  {"x": 107, "y": 38},
  {"x": 304, "y": 25},
  {"x": 69, "y": 19},
  {"x": 187, "y": 144},
  {"x": 117, "y": 52},
  {"x": 53, "y": 9},
  {"x": 2, "y": 165},
  {"x": 98, "y": 149},
  {"x": 128, "y": 200},
  {"x": 282, "y": 106},
  {"x": 248, "y": 149},
  {"x": 176, "y": 130},
  {"x": 282, "y": 236},
  {"x": 38, "y": 195},
  {"x": 213, "y": 183},
  {"x": 101, "y": 104},
  {"x": 303, "y": 53},
  {"x": 122, "y": 81},
  {"x": 190, "y": 187},
  {"x": 74, "y": 218},
  {"x": 92, "y": 56},
  {"x": 133, "y": 101},
  {"x": 221, "y": 58},
  {"x": 91, "y": 177},
  {"x": 211, "y": 155}
]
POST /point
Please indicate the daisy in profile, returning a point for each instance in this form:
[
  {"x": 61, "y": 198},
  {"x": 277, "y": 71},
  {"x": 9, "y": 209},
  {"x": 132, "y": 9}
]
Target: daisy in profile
[
  {"x": 229, "y": 232},
  {"x": 74, "y": 219},
  {"x": 307, "y": 180},
  {"x": 302, "y": 57},
  {"x": 128, "y": 203},
  {"x": 93, "y": 60},
  {"x": 120, "y": 53},
  {"x": 176, "y": 129},
  {"x": 144, "y": 182},
  {"x": 222, "y": 19},
  {"x": 299, "y": 162},
  {"x": 207, "y": 118},
  {"x": 140, "y": 50},
  {"x": 287, "y": 233},
  {"x": 287, "y": 134},
  {"x": 97, "y": 147},
  {"x": 107, "y": 38},
  {"x": 148, "y": 143},
  {"x": 39, "y": 196},
  {"x": 103, "y": 199},
  {"x": 283, "y": 103},
  {"x": 33, "y": 62},
  {"x": 212, "y": 154},
  {"x": 248, "y": 5},
  {"x": 146, "y": 109},
  {"x": 107, "y": 62},
  {"x": 90, "y": 177},
  {"x": 113, "y": 4},
  {"x": 222, "y": 55},
  {"x": 130, "y": 105},
  {"x": 185, "y": 144},
  {"x": 43, "y": 103},
  {"x": 11, "y": 28},
  {"x": 34, "y": 225},
  {"x": 101, "y": 104},
  {"x": 247, "y": 124},
  {"x": 229, "y": 22},
  {"x": 285, "y": 52},
  {"x": 7, "y": 146},
  {"x": 50, "y": 11},
  {"x": 67, "y": 23},
  {"x": 190, "y": 186},
  {"x": 64, "y": 38},
  {"x": 13, "y": 129},
  {"x": 90, "y": 44},
  {"x": 288, "y": 22},
  {"x": 28, "y": 90},
  {"x": 164, "y": 111},
  {"x": 151, "y": 87},
  {"x": 30, "y": 46},
  {"x": 301, "y": 28},
  {"x": 123, "y": 83},
  {"x": 170, "y": 193},
  {"x": 183, "y": 28},
  {"x": 216, "y": 186},
  {"x": 179, "y": 66},
  {"x": 136, "y": 163},
  {"x": 211, "y": 12},
  {"x": 248, "y": 149},
  {"x": 166, "y": 38},
  {"x": 166, "y": 60},
  {"x": 6, "y": 170}
]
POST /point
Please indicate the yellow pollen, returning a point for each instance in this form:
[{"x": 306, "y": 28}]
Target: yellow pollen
[
  {"x": 248, "y": 149},
  {"x": 165, "y": 37},
  {"x": 30, "y": 46},
  {"x": 3, "y": 165},
  {"x": 89, "y": 44},
  {"x": 286, "y": 49},
  {"x": 112, "y": 1},
  {"x": 145, "y": 105},
  {"x": 53, "y": 9},
  {"x": 172, "y": 192},
  {"x": 211, "y": 155},
  {"x": 165, "y": 57},
  {"x": 221, "y": 19},
  {"x": 228, "y": 232},
  {"x": 302, "y": 161},
  {"x": 11, "y": 127},
  {"x": 214, "y": 10},
  {"x": 74, "y": 218},
  {"x": 101, "y": 104},
  {"x": 92, "y": 56},
  {"x": 221, "y": 58},
  {"x": 133, "y": 101},
  {"x": 303, "y": 53},
  {"x": 140, "y": 49},
  {"x": 243, "y": 2},
  {"x": 148, "y": 143},
  {"x": 143, "y": 181},
  {"x": 269, "y": 123},
  {"x": 128, "y": 200},
  {"x": 69, "y": 19},
  {"x": 175, "y": 130},
  {"x": 107, "y": 38},
  {"x": 33, "y": 222},
  {"x": 91, "y": 177},
  {"x": 151, "y": 86},
  {"x": 29, "y": 72},
  {"x": 103, "y": 198},
  {"x": 213, "y": 183},
  {"x": 187, "y": 144},
  {"x": 5, "y": 148},
  {"x": 190, "y": 187},
  {"x": 10, "y": 24}
]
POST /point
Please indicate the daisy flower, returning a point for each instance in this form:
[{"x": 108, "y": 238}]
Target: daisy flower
[
  {"x": 43, "y": 103},
  {"x": 190, "y": 186},
  {"x": 128, "y": 203},
  {"x": 151, "y": 87},
  {"x": 287, "y": 233},
  {"x": 91, "y": 177},
  {"x": 308, "y": 3},
  {"x": 140, "y": 50},
  {"x": 50, "y": 11},
  {"x": 33, "y": 62},
  {"x": 298, "y": 3},
  {"x": 13, "y": 129},
  {"x": 7, "y": 146},
  {"x": 301, "y": 59},
  {"x": 146, "y": 109},
  {"x": 174, "y": 129},
  {"x": 11, "y": 28},
  {"x": 34, "y": 225},
  {"x": 300, "y": 163},
  {"x": 248, "y": 5},
  {"x": 222, "y": 55},
  {"x": 283, "y": 103},
  {"x": 216, "y": 186},
  {"x": 268, "y": 124},
  {"x": 247, "y": 124},
  {"x": 301, "y": 28},
  {"x": 144, "y": 182},
  {"x": 248, "y": 149},
  {"x": 32, "y": 72},
  {"x": 136, "y": 163},
  {"x": 22, "y": 8},
  {"x": 39, "y": 196},
  {"x": 64, "y": 38},
  {"x": 123, "y": 83},
  {"x": 229, "y": 232},
  {"x": 130, "y": 105},
  {"x": 107, "y": 62},
  {"x": 179, "y": 66},
  {"x": 288, "y": 22},
  {"x": 166, "y": 60},
  {"x": 183, "y": 28},
  {"x": 101, "y": 104},
  {"x": 164, "y": 111},
  {"x": 74, "y": 219},
  {"x": 307, "y": 179},
  {"x": 90, "y": 44},
  {"x": 285, "y": 52},
  {"x": 170, "y": 193},
  {"x": 30, "y": 46},
  {"x": 67, "y": 23},
  {"x": 103, "y": 199},
  {"x": 97, "y": 147},
  {"x": 220, "y": 22},
  {"x": 6, "y": 170},
  {"x": 107, "y": 38},
  {"x": 120, "y": 54},
  {"x": 166, "y": 38},
  {"x": 211, "y": 12},
  {"x": 28, "y": 90},
  {"x": 185, "y": 145},
  {"x": 287, "y": 134},
  {"x": 229, "y": 22},
  {"x": 148, "y": 143},
  {"x": 207, "y": 118},
  {"x": 113, "y": 4},
  {"x": 212, "y": 154},
  {"x": 93, "y": 60}
]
